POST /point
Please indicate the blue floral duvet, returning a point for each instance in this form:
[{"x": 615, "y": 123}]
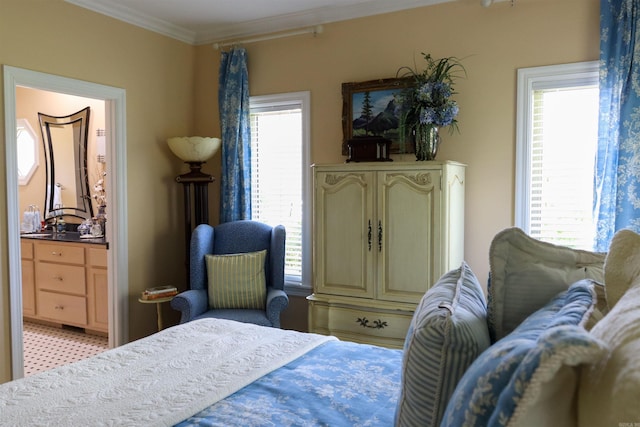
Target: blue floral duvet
[{"x": 336, "y": 384}]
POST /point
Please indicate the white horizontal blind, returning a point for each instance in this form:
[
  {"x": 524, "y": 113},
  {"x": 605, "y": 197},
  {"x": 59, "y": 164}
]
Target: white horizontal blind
[
  {"x": 276, "y": 175},
  {"x": 563, "y": 146}
]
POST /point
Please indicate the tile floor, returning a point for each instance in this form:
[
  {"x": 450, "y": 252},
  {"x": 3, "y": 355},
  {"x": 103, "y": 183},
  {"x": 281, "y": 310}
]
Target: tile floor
[{"x": 46, "y": 347}]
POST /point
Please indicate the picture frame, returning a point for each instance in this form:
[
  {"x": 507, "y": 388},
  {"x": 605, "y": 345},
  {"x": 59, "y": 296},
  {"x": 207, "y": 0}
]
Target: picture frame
[{"x": 376, "y": 116}]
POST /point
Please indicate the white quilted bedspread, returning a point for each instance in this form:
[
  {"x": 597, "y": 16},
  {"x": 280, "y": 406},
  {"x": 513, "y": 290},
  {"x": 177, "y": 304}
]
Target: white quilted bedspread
[{"x": 156, "y": 381}]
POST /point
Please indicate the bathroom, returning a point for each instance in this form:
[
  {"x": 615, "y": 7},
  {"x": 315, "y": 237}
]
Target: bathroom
[{"x": 81, "y": 308}]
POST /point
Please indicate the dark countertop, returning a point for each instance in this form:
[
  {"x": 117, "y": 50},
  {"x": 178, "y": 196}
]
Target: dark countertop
[{"x": 69, "y": 236}]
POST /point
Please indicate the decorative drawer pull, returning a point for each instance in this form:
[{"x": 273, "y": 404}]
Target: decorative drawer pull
[
  {"x": 54, "y": 253},
  {"x": 59, "y": 307},
  {"x": 369, "y": 235},
  {"x": 58, "y": 278},
  {"x": 377, "y": 324}
]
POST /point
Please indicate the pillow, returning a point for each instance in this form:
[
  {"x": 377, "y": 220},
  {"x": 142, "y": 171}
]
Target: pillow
[
  {"x": 447, "y": 333},
  {"x": 485, "y": 392},
  {"x": 621, "y": 267},
  {"x": 526, "y": 273},
  {"x": 237, "y": 280},
  {"x": 609, "y": 391},
  {"x": 542, "y": 390}
]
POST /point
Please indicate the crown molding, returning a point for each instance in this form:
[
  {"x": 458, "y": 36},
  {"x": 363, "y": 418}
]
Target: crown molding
[
  {"x": 309, "y": 18},
  {"x": 138, "y": 19},
  {"x": 323, "y": 15}
]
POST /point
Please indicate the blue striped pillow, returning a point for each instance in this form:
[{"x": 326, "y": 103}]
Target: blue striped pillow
[
  {"x": 447, "y": 333},
  {"x": 237, "y": 280}
]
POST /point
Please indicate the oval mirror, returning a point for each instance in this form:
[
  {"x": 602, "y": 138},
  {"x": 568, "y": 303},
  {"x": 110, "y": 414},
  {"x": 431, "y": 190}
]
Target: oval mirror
[{"x": 65, "y": 147}]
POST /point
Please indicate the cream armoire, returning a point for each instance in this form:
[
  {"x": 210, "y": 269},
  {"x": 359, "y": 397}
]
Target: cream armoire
[{"x": 384, "y": 233}]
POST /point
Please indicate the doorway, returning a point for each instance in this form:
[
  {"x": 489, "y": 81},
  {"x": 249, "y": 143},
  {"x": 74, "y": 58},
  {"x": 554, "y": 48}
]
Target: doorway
[
  {"x": 69, "y": 338},
  {"x": 115, "y": 152}
]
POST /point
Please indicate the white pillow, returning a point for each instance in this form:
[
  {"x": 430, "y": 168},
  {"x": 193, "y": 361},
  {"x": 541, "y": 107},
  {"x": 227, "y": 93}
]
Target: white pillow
[
  {"x": 609, "y": 393},
  {"x": 526, "y": 273}
]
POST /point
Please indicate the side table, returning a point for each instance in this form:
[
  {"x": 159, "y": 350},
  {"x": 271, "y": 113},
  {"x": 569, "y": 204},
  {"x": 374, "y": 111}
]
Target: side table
[{"x": 157, "y": 302}]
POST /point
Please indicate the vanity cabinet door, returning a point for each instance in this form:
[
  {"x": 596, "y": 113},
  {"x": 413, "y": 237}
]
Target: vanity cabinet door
[
  {"x": 28, "y": 279},
  {"x": 28, "y": 288},
  {"x": 98, "y": 290}
]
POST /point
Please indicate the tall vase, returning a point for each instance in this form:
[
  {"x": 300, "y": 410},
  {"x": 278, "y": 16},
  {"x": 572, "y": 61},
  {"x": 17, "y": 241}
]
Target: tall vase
[
  {"x": 427, "y": 140},
  {"x": 101, "y": 217}
]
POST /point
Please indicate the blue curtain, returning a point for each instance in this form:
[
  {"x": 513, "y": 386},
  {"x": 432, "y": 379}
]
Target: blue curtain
[
  {"x": 233, "y": 101},
  {"x": 617, "y": 175}
]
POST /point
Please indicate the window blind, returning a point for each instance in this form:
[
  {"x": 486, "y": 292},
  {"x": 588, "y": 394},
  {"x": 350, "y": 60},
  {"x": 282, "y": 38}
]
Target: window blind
[
  {"x": 276, "y": 176},
  {"x": 564, "y": 137}
]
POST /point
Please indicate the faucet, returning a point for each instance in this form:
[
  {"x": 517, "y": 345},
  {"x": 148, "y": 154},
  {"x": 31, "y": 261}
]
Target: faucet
[{"x": 58, "y": 224}]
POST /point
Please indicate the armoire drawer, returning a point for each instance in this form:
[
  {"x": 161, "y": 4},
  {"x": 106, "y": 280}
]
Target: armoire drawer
[
  {"x": 61, "y": 278},
  {"x": 361, "y": 324},
  {"x": 62, "y": 308}
]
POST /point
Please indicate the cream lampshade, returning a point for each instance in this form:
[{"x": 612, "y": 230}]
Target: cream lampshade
[{"x": 194, "y": 148}]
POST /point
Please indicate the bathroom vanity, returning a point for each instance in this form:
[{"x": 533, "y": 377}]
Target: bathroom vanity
[{"x": 64, "y": 281}]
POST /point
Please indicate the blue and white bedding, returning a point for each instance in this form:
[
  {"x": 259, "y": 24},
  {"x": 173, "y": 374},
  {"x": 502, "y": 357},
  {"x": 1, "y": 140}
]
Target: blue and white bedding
[
  {"x": 335, "y": 384},
  {"x": 235, "y": 373}
]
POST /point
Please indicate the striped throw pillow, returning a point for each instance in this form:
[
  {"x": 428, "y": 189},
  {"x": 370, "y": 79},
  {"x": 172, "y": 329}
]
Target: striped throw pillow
[
  {"x": 237, "y": 280},
  {"x": 447, "y": 333}
]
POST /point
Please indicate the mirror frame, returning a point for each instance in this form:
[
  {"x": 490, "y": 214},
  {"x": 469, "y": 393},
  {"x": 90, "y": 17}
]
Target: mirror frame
[{"x": 84, "y": 207}]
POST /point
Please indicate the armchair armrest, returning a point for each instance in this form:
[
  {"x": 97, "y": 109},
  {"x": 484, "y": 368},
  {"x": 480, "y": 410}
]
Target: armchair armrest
[
  {"x": 277, "y": 300},
  {"x": 190, "y": 303}
]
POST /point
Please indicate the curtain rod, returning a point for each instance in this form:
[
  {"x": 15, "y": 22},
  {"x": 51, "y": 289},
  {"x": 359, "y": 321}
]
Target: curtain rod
[{"x": 313, "y": 30}]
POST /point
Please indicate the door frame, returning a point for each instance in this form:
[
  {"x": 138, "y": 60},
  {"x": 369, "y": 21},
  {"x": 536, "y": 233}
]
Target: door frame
[{"x": 117, "y": 255}]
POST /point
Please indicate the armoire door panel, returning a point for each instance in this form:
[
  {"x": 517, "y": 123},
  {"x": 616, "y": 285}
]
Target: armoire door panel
[
  {"x": 409, "y": 202},
  {"x": 344, "y": 206}
]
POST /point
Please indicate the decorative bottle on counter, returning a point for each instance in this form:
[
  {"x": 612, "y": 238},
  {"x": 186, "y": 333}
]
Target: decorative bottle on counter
[
  {"x": 102, "y": 218},
  {"x": 62, "y": 226},
  {"x": 96, "y": 229}
]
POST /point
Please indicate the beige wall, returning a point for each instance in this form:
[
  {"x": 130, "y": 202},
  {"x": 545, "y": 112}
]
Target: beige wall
[
  {"x": 165, "y": 99},
  {"x": 492, "y": 42},
  {"x": 56, "y": 37}
]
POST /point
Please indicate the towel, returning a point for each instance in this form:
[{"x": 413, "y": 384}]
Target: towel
[
  {"x": 57, "y": 201},
  {"x": 57, "y": 195}
]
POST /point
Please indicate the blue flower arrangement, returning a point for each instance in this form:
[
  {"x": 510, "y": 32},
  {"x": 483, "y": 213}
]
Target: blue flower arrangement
[{"x": 429, "y": 101}]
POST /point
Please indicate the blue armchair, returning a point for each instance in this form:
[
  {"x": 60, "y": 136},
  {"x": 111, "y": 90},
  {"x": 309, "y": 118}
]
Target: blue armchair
[{"x": 233, "y": 238}]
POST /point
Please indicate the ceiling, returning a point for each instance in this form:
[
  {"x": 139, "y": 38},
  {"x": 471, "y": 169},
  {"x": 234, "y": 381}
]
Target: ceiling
[{"x": 207, "y": 21}]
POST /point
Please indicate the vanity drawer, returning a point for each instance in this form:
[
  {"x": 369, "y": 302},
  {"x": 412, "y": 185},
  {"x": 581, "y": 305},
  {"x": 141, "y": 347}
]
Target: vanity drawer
[
  {"x": 61, "y": 278},
  {"x": 62, "y": 308},
  {"x": 55, "y": 252}
]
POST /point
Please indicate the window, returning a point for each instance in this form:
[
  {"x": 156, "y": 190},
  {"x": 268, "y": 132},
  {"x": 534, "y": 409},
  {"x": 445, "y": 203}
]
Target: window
[
  {"x": 280, "y": 177},
  {"x": 555, "y": 153},
  {"x": 27, "y": 151}
]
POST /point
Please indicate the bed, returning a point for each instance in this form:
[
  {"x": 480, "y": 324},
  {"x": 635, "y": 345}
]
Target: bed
[{"x": 213, "y": 372}]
